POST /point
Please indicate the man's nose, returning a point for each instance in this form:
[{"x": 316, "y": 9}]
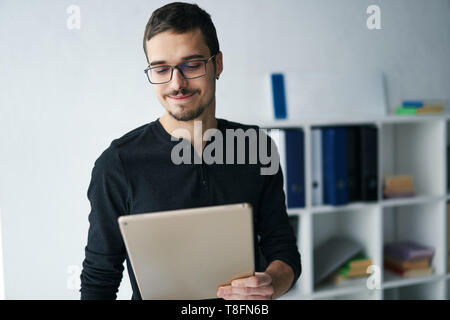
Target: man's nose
[{"x": 178, "y": 80}]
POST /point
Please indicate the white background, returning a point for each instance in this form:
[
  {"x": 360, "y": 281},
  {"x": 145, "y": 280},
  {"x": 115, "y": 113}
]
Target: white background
[{"x": 66, "y": 94}]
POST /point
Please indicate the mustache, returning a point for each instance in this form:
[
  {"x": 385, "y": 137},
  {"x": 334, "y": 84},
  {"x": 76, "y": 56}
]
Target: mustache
[{"x": 183, "y": 92}]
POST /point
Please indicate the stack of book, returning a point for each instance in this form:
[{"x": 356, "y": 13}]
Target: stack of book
[
  {"x": 408, "y": 258},
  {"x": 421, "y": 107},
  {"x": 355, "y": 267},
  {"x": 398, "y": 186}
]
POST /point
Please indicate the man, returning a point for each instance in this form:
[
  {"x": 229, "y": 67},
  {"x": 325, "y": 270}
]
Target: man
[{"x": 137, "y": 174}]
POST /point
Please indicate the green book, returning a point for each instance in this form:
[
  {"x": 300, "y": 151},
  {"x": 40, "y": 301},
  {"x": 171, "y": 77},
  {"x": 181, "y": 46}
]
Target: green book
[
  {"x": 357, "y": 261},
  {"x": 405, "y": 111}
]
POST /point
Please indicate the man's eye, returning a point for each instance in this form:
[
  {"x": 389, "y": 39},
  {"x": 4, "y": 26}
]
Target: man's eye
[
  {"x": 161, "y": 70},
  {"x": 192, "y": 65}
]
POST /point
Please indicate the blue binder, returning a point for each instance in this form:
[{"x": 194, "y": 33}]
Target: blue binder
[
  {"x": 335, "y": 170},
  {"x": 295, "y": 168},
  {"x": 279, "y": 96}
]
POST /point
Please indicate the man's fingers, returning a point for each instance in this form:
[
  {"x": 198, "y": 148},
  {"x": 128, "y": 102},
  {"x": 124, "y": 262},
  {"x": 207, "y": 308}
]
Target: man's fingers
[
  {"x": 229, "y": 290},
  {"x": 258, "y": 280},
  {"x": 241, "y": 297}
]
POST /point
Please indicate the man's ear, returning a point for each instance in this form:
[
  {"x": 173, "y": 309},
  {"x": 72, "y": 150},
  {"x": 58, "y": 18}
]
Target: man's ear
[{"x": 219, "y": 64}]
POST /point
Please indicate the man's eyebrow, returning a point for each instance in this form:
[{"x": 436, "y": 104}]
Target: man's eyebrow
[{"x": 192, "y": 56}]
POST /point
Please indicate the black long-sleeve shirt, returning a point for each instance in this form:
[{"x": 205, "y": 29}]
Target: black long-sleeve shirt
[{"x": 135, "y": 174}]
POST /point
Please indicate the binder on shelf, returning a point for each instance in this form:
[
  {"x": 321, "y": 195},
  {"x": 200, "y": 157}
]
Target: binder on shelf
[
  {"x": 369, "y": 163},
  {"x": 316, "y": 165},
  {"x": 295, "y": 168},
  {"x": 334, "y": 165},
  {"x": 279, "y": 96},
  {"x": 290, "y": 144},
  {"x": 354, "y": 163}
]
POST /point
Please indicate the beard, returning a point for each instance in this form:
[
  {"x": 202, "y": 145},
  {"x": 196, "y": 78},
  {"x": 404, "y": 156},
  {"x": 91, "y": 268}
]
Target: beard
[{"x": 188, "y": 115}]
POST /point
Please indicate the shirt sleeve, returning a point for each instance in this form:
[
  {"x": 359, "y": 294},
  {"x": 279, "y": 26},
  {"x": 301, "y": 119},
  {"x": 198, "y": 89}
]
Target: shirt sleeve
[
  {"x": 105, "y": 251},
  {"x": 276, "y": 236}
]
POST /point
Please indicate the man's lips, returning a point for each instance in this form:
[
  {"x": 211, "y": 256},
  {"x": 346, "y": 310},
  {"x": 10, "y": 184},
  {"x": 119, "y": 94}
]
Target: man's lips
[{"x": 180, "y": 98}]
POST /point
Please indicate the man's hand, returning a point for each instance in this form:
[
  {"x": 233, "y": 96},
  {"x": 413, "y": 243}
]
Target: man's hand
[{"x": 257, "y": 287}]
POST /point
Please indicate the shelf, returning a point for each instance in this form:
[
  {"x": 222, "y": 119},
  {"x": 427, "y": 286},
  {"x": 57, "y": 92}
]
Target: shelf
[
  {"x": 337, "y": 121},
  {"x": 350, "y": 287},
  {"x": 296, "y": 211},
  {"x": 386, "y": 203},
  {"x": 325, "y": 291},
  {"x": 407, "y": 145},
  {"x": 347, "y": 207},
  {"x": 294, "y": 294},
  {"x": 392, "y": 280}
]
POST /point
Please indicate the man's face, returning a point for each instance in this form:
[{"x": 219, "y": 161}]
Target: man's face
[{"x": 184, "y": 99}]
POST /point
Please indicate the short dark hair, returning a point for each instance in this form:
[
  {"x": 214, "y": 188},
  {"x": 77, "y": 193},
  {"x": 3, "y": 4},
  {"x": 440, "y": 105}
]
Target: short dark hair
[{"x": 181, "y": 17}]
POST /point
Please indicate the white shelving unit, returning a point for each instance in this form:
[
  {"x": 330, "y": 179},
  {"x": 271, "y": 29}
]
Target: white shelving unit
[{"x": 406, "y": 145}]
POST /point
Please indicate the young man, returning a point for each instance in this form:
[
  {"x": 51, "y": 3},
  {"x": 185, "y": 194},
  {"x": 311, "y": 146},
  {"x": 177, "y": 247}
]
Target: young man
[{"x": 138, "y": 174}]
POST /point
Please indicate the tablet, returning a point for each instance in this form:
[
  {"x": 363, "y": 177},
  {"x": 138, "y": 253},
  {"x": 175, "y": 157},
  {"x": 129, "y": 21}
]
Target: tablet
[{"x": 187, "y": 254}]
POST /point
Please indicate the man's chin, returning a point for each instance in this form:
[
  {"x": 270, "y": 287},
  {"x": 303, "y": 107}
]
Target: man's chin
[{"x": 187, "y": 115}]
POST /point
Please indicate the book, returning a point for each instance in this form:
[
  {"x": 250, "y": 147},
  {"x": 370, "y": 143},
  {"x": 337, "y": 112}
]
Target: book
[
  {"x": 334, "y": 162},
  {"x": 399, "y": 195},
  {"x": 358, "y": 261},
  {"x": 410, "y": 273},
  {"x": 369, "y": 163},
  {"x": 316, "y": 165},
  {"x": 352, "y": 272},
  {"x": 399, "y": 192},
  {"x": 354, "y": 163},
  {"x": 405, "y": 188},
  {"x": 430, "y": 110},
  {"x": 391, "y": 181},
  {"x": 295, "y": 168},
  {"x": 338, "y": 279},
  {"x": 412, "y": 104},
  {"x": 405, "y": 111},
  {"x": 412, "y": 111},
  {"x": 407, "y": 250},
  {"x": 279, "y": 96},
  {"x": 332, "y": 254},
  {"x": 424, "y": 104},
  {"x": 407, "y": 265}
]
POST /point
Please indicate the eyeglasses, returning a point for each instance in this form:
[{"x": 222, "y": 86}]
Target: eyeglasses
[{"x": 189, "y": 70}]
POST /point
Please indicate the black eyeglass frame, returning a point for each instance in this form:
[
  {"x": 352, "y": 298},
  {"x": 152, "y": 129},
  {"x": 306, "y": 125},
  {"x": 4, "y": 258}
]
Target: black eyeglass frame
[{"x": 146, "y": 71}]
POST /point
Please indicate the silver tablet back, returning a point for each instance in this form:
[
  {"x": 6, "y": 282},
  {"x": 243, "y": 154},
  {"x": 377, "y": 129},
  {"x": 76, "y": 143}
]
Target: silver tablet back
[{"x": 187, "y": 254}]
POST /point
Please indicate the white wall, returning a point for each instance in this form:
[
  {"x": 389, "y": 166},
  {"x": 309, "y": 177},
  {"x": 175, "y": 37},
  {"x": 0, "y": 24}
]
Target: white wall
[{"x": 66, "y": 94}]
